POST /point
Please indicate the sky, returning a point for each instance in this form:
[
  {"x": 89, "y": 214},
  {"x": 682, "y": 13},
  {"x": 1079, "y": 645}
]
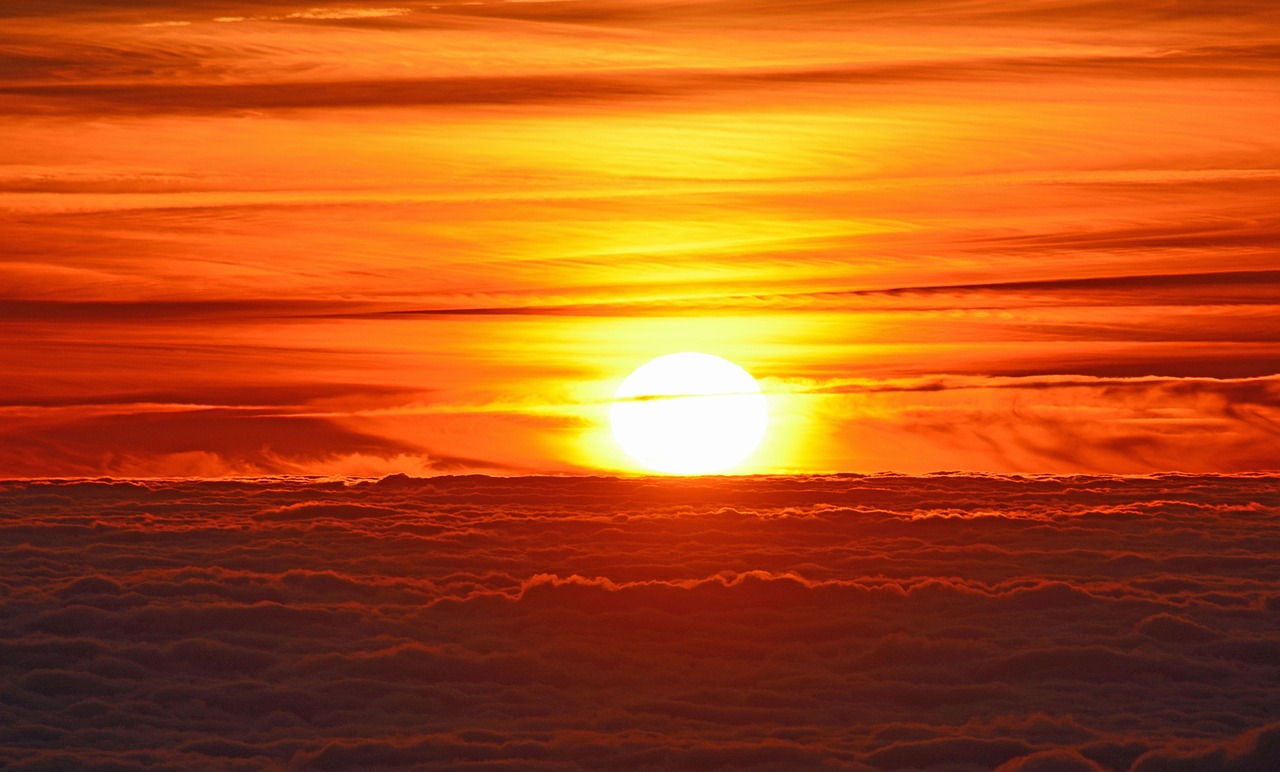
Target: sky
[
  {"x": 949, "y": 623},
  {"x": 250, "y": 238}
]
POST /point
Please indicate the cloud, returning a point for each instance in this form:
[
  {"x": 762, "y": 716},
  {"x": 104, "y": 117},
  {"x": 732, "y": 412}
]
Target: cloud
[
  {"x": 291, "y": 194},
  {"x": 347, "y": 13},
  {"x": 1061, "y": 760},
  {"x": 133, "y": 312},
  {"x": 1140, "y": 424},
  {"x": 827, "y": 12},
  {"x": 211, "y": 441},
  {"x": 1258, "y": 749},
  {"x": 1207, "y": 288},
  {"x": 858, "y": 622},
  {"x": 145, "y": 96}
]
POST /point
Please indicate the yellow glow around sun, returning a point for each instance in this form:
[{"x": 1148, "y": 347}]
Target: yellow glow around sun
[{"x": 689, "y": 413}]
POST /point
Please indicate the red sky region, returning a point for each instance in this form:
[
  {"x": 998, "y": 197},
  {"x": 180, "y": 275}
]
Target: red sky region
[
  {"x": 258, "y": 238},
  {"x": 951, "y": 623}
]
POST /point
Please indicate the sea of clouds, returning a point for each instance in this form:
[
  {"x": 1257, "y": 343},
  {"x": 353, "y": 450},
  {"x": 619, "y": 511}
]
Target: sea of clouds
[{"x": 947, "y": 622}]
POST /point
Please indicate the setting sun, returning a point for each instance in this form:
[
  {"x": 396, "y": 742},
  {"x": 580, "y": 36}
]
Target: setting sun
[{"x": 689, "y": 413}]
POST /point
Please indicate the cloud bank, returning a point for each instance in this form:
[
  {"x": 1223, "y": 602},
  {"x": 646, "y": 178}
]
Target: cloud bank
[{"x": 885, "y": 622}]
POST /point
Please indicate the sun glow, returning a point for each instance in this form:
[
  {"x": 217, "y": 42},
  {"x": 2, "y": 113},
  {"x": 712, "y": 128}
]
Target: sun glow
[{"x": 689, "y": 413}]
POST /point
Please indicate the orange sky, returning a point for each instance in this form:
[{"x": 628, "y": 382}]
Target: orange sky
[{"x": 255, "y": 237}]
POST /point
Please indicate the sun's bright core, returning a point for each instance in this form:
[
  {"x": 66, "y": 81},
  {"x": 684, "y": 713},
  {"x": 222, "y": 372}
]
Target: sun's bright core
[{"x": 689, "y": 413}]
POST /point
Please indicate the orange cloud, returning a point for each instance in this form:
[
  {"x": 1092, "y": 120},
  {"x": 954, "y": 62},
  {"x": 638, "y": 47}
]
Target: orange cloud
[{"x": 486, "y": 214}]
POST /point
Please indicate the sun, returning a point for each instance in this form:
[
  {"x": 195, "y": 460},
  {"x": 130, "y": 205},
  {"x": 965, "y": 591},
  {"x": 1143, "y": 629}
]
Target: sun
[{"x": 689, "y": 413}]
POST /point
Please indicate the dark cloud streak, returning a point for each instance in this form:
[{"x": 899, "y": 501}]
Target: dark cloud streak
[
  {"x": 1249, "y": 287},
  {"x": 144, "y": 96}
]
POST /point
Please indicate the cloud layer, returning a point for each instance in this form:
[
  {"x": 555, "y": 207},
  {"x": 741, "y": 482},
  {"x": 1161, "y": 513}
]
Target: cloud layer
[{"x": 948, "y": 622}]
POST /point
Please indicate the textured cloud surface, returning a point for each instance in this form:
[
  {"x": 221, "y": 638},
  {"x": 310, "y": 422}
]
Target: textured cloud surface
[{"x": 946, "y": 622}]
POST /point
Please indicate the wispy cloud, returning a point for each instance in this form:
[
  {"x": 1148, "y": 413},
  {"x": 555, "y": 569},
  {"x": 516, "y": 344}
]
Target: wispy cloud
[{"x": 484, "y": 215}]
